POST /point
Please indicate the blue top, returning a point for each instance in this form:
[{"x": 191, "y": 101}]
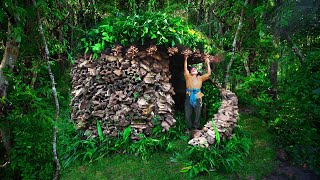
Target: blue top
[{"x": 193, "y": 97}]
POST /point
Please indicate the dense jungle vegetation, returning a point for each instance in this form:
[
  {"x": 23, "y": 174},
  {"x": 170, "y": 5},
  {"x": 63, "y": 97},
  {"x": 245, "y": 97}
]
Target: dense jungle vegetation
[{"x": 270, "y": 49}]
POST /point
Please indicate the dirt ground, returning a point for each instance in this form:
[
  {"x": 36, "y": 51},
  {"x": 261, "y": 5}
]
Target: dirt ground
[{"x": 285, "y": 171}]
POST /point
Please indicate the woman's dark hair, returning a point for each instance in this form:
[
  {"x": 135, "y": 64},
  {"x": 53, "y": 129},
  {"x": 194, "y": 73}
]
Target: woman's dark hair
[{"x": 190, "y": 67}]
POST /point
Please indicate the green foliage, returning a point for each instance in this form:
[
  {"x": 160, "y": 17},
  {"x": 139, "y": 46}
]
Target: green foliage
[
  {"x": 31, "y": 153},
  {"x": 301, "y": 142},
  {"x": 216, "y": 132},
  {"x": 261, "y": 161},
  {"x": 211, "y": 98},
  {"x": 99, "y": 129},
  {"x": 76, "y": 146},
  {"x": 156, "y": 28},
  {"x": 224, "y": 156},
  {"x": 145, "y": 147},
  {"x": 299, "y": 113},
  {"x": 31, "y": 122},
  {"x": 258, "y": 164},
  {"x": 253, "y": 92}
]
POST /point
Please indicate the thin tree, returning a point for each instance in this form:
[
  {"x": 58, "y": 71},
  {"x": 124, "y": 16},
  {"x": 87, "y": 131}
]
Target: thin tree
[
  {"x": 54, "y": 90},
  {"x": 10, "y": 57},
  {"x": 234, "y": 44}
]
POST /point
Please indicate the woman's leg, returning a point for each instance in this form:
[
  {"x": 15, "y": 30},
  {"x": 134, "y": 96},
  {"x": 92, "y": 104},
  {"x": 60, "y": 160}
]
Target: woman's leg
[
  {"x": 198, "y": 114},
  {"x": 188, "y": 111}
]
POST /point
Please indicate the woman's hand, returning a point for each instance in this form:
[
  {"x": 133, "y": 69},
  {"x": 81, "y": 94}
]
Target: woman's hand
[
  {"x": 186, "y": 53},
  {"x": 185, "y": 56},
  {"x": 206, "y": 58}
]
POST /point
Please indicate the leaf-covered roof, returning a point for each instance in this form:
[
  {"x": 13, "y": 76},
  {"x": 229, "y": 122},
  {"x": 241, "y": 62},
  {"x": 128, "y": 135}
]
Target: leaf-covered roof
[{"x": 155, "y": 28}]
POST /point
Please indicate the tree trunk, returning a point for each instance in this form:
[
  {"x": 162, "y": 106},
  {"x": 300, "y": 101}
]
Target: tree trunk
[
  {"x": 94, "y": 11},
  {"x": 5, "y": 134},
  {"x": 202, "y": 11},
  {"x": 252, "y": 53},
  {"x": 9, "y": 59},
  {"x": 234, "y": 45},
  {"x": 54, "y": 141},
  {"x": 274, "y": 91},
  {"x": 246, "y": 67},
  {"x": 274, "y": 79},
  {"x": 209, "y": 14}
]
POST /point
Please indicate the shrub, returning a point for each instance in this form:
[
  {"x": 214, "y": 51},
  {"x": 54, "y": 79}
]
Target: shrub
[
  {"x": 253, "y": 92},
  {"x": 211, "y": 97},
  {"x": 77, "y": 146},
  {"x": 223, "y": 156},
  {"x": 297, "y": 124},
  {"x": 31, "y": 124}
]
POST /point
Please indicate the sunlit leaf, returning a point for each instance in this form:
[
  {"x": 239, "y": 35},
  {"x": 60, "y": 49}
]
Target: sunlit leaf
[
  {"x": 99, "y": 129},
  {"x": 126, "y": 133},
  {"x": 186, "y": 169},
  {"x": 216, "y": 132}
]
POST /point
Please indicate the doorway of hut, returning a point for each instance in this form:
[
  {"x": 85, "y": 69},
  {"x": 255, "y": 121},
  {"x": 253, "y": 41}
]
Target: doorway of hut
[{"x": 178, "y": 82}]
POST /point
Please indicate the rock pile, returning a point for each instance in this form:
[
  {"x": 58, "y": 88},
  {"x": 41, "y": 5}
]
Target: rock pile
[{"x": 224, "y": 121}]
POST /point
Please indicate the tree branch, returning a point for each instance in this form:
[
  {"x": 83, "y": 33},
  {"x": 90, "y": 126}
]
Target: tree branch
[
  {"x": 59, "y": 23},
  {"x": 294, "y": 48},
  {"x": 10, "y": 16},
  {"x": 54, "y": 90},
  {"x": 10, "y": 57},
  {"x": 220, "y": 20}
]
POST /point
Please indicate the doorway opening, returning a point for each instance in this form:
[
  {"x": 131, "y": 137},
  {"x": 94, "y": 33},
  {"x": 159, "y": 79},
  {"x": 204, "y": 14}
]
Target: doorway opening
[{"x": 178, "y": 82}]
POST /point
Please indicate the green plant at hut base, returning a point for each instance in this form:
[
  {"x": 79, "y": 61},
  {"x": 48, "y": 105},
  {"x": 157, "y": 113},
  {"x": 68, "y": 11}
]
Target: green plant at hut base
[
  {"x": 92, "y": 149},
  {"x": 223, "y": 156}
]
